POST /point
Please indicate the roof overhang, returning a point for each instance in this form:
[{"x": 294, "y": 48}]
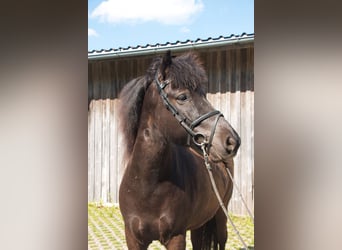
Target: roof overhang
[{"x": 177, "y": 46}]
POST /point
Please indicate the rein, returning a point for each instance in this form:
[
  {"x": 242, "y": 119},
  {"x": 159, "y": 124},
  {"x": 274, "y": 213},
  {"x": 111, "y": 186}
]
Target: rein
[{"x": 225, "y": 210}]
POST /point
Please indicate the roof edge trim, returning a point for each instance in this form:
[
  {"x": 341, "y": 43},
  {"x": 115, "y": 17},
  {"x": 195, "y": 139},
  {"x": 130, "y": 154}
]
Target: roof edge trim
[{"x": 155, "y": 49}]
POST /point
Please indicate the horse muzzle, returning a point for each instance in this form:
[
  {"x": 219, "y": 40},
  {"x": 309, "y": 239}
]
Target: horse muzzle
[
  {"x": 226, "y": 142},
  {"x": 222, "y": 143}
]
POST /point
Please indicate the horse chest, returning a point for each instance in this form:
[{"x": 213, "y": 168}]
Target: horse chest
[
  {"x": 153, "y": 216},
  {"x": 147, "y": 228}
]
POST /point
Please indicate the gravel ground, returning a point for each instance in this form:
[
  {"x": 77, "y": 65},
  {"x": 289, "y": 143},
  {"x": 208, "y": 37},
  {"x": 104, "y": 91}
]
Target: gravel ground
[{"x": 106, "y": 230}]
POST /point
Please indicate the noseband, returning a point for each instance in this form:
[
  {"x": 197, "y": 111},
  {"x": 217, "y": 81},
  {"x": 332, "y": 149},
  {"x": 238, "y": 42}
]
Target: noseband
[{"x": 198, "y": 138}]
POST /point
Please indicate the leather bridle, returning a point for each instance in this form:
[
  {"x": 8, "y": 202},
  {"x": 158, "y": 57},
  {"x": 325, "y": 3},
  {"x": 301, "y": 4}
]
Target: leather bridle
[{"x": 198, "y": 138}]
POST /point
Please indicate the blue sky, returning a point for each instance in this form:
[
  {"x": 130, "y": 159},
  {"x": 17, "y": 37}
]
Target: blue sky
[{"x": 123, "y": 23}]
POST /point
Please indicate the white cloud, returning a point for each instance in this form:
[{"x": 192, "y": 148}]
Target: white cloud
[
  {"x": 92, "y": 32},
  {"x": 133, "y": 11}
]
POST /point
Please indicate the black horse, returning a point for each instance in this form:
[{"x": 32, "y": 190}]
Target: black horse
[{"x": 166, "y": 190}]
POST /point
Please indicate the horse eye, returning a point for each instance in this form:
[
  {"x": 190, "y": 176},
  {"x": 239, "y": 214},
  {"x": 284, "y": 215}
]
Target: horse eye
[{"x": 182, "y": 97}]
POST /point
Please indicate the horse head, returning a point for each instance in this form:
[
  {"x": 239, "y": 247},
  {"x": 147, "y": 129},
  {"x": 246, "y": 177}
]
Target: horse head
[{"x": 179, "y": 84}]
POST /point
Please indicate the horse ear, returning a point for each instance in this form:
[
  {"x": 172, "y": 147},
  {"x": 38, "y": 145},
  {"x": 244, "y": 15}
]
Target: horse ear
[{"x": 167, "y": 61}]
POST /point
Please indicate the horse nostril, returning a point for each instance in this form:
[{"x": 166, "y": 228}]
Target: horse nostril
[{"x": 232, "y": 145}]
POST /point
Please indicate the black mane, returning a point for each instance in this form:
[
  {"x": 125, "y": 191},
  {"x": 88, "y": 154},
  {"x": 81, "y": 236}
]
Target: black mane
[{"x": 131, "y": 100}]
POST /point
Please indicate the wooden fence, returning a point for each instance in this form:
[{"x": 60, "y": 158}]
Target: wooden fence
[{"x": 231, "y": 90}]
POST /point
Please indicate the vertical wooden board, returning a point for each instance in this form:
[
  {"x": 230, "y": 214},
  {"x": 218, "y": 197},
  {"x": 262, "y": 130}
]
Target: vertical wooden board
[
  {"x": 213, "y": 94},
  {"x": 102, "y": 136},
  {"x": 228, "y": 83},
  {"x": 252, "y": 148},
  {"x": 91, "y": 131},
  {"x": 120, "y": 152},
  {"x": 238, "y": 122},
  {"x": 90, "y": 83},
  {"x": 243, "y": 69},
  {"x": 250, "y": 78},
  {"x": 211, "y": 83},
  {"x": 220, "y": 91},
  {"x": 96, "y": 80},
  {"x": 229, "y": 78},
  {"x": 126, "y": 70},
  {"x": 224, "y": 93},
  {"x": 134, "y": 68},
  {"x": 213, "y": 72},
  {"x": 107, "y": 148},
  {"x": 140, "y": 67},
  {"x": 222, "y": 78},
  {"x": 245, "y": 145},
  {"x": 209, "y": 95},
  {"x": 98, "y": 149},
  {"x": 233, "y": 66},
  {"x": 235, "y": 120},
  {"x": 117, "y": 148},
  {"x": 231, "y": 82},
  {"x": 104, "y": 80},
  {"x": 223, "y": 85},
  {"x": 108, "y": 79},
  {"x": 119, "y": 77},
  {"x": 121, "y": 161},
  {"x": 105, "y": 151},
  {"x": 130, "y": 70},
  {"x": 242, "y": 151},
  {"x": 217, "y": 79},
  {"x": 111, "y": 91},
  {"x": 115, "y": 87},
  {"x": 244, "y": 120},
  {"x": 209, "y": 73},
  {"x": 102, "y": 77},
  {"x": 250, "y": 69},
  {"x": 105, "y": 93},
  {"x": 111, "y": 135},
  {"x": 249, "y": 121},
  {"x": 112, "y": 153},
  {"x": 109, "y": 72}
]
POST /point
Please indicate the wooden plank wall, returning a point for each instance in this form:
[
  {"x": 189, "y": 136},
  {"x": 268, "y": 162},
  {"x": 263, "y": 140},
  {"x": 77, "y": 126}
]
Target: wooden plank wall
[{"x": 231, "y": 90}]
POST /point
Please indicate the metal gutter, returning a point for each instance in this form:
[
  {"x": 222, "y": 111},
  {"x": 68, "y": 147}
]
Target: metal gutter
[{"x": 155, "y": 49}]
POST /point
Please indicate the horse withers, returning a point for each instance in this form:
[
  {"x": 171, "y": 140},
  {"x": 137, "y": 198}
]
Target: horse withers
[{"x": 166, "y": 122}]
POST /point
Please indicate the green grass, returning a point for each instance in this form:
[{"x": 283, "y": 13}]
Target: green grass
[{"x": 106, "y": 230}]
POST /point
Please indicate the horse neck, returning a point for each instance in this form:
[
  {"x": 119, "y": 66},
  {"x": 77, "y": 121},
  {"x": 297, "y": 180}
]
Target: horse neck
[{"x": 150, "y": 160}]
